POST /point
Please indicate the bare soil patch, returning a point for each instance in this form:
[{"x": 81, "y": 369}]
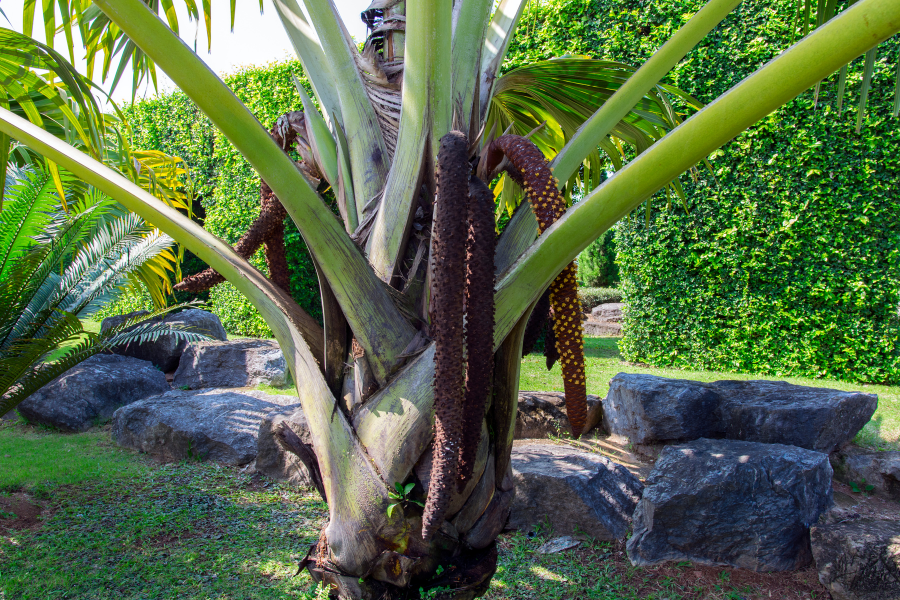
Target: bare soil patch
[{"x": 20, "y": 511}]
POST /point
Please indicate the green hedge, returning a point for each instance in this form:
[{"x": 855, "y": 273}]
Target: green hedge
[{"x": 787, "y": 262}]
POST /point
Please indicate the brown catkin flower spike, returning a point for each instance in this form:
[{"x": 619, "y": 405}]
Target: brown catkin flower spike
[
  {"x": 537, "y": 322},
  {"x": 448, "y": 252},
  {"x": 267, "y": 229},
  {"x": 548, "y": 205},
  {"x": 480, "y": 247}
]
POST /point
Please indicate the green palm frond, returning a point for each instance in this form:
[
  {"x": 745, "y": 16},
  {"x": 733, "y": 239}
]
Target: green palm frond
[
  {"x": 557, "y": 96},
  {"x": 100, "y": 36},
  {"x": 27, "y": 212},
  {"x": 24, "y": 370},
  {"x": 811, "y": 15}
]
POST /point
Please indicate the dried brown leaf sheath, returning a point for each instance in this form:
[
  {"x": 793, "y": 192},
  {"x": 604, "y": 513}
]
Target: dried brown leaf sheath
[
  {"x": 479, "y": 322},
  {"x": 448, "y": 247},
  {"x": 548, "y": 205}
]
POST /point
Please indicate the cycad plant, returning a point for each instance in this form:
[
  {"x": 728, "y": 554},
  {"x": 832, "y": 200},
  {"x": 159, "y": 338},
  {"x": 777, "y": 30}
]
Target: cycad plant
[
  {"x": 56, "y": 268},
  {"x": 429, "y": 68},
  {"x": 39, "y": 84}
]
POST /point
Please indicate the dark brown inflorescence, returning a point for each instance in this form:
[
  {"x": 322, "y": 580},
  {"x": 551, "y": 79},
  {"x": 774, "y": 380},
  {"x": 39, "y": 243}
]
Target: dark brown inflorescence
[
  {"x": 267, "y": 230},
  {"x": 548, "y": 205},
  {"x": 480, "y": 246},
  {"x": 537, "y": 323},
  {"x": 448, "y": 256}
]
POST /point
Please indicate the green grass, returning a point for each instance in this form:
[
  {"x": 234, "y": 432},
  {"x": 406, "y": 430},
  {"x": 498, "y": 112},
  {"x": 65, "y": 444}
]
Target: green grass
[
  {"x": 141, "y": 531},
  {"x": 134, "y": 530},
  {"x": 603, "y": 362},
  {"x": 33, "y": 458}
]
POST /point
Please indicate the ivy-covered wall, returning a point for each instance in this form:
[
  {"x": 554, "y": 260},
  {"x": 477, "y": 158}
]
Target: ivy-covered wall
[{"x": 788, "y": 261}]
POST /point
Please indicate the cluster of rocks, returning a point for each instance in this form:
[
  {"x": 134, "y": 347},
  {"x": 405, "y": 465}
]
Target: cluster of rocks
[
  {"x": 604, "y": 320},
  {"x": 168, "y": 397},
  {"x": 743, "y": 477}
]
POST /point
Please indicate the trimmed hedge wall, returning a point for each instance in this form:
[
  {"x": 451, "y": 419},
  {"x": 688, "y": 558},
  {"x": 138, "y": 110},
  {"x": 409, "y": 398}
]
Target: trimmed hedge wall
[{"x": 789, "y": 260}]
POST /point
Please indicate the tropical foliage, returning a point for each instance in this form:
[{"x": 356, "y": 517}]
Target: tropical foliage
[
  {"x": 56, "y": 267},
  {"x": 371, "y": 426},
  {"x": 39, "y": 84}
]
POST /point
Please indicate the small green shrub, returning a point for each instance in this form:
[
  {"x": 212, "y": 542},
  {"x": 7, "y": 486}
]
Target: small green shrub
[
  {"x": 595, "y": 296},
  {"x": 597, "y": 263}
]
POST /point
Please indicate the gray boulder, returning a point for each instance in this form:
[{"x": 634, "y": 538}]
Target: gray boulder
[
  {"x": 594, "y": 328},
  {"x": 604, "y": 320},
  {"x": 651, "y": 410},
  {"x": 879, "y": 469},
  {"x": 543, "y": 414},
  {"x": 238, "y": 363},
  {"x": 777, "y": 412},
  {"x": 220, "y": 425},
  {"x": 859, "y": 559},
  {"x": 577, "y": 492},
  {"x": 610, "y": 311},
  {"x": 723, "y": 502},
  {"x": 648, "y": 409},
  {"x": 91, "y": 391},
  {"x": 166, "y": 350},
  {"x": 272, "y": 459}
]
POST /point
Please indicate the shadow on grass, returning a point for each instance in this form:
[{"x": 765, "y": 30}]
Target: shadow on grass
[{"x": 183, "y": 531}]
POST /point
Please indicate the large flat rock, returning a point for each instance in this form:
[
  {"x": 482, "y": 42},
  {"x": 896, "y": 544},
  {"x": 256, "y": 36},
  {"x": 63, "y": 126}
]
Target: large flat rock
[
  {"x": 777, "y": 412},
  {"x": 543, "y": 414},
  {"x": 220, "y": 425},
  {"x": 166, "y": 350},
  {"x": 724, "y": 502},
  {"x": 594, "y": 328},
  {"x": 576, "y": 492},
  {"x": 652, "y": 410},
  {"x": 647, "y": 409},
  {"x": 859, "y": 559},
  {"x": 91, "y": 392},
  {"x": 610, "y": 311},
  {"x": 237, "y": 363}
]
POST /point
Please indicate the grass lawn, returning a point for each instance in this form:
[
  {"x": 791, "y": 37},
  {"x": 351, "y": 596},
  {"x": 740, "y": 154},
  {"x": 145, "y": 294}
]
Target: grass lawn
[{"x": 109, "y": 523}]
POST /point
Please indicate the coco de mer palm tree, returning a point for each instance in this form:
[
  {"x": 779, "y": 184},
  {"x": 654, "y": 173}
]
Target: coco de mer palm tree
[{"x": 385, "y": 112}]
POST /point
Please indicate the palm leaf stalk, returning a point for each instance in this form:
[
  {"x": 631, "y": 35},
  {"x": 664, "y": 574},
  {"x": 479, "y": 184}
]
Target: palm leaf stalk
[{"x": 365, "y": 448}]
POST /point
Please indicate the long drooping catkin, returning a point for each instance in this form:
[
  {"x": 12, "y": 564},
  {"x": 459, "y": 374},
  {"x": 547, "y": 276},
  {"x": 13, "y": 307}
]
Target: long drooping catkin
[
  {"x": 480, "y": 246},
  {"x": 448, "y": 247},
  {"x": 548, "y": 205},
  {"x": 267, "y": 229}
]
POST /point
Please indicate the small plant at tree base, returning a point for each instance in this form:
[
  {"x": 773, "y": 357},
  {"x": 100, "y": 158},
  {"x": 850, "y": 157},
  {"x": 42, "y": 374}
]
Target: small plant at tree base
[
  {"x": 862, "y": 487},
  {"x": 7, "y": 515},
  {"x": 401, "y": 497}
]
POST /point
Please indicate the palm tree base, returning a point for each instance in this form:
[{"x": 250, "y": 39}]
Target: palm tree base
[{"x": 464, "y": 577}]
